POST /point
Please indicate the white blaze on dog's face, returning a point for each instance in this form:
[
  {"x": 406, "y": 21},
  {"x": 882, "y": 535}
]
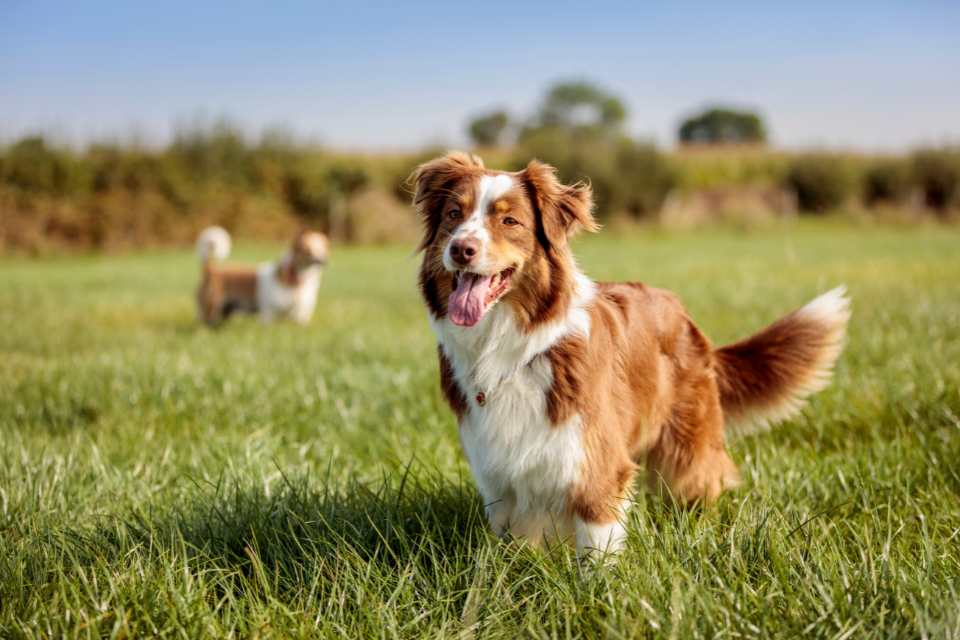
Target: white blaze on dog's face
[
  {"x": 483, "y": 227},
  {"x": 310, "y": 248},
  {"x": 473, "y": 222},
  {"x": 491, "y": 236}
]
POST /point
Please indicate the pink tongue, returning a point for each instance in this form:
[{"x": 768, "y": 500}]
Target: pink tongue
[{"x": 468, "y": 301}]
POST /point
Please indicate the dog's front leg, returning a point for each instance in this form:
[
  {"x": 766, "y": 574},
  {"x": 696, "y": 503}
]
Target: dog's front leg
[
  {"x": 301, "y": 314},
  {"x": 499, "y": 512},
  {"x": 602, "y": 537},
  {"x": 304, "y": 305},
  {"x": 266, "y": 314}
]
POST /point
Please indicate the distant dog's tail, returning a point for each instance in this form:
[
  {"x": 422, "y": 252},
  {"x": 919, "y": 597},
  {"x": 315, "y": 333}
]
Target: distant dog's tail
[
  {"x": 766, "y": 378},
  {"x": 213, "y": 243}
]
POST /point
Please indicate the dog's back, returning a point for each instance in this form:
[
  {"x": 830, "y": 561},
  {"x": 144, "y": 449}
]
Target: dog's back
[{"x": 223, "y": 289}]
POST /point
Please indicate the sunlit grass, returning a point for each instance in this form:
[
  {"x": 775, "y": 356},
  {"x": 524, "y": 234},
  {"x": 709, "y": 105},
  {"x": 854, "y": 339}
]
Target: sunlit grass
[{"x": 157, "y": 478}]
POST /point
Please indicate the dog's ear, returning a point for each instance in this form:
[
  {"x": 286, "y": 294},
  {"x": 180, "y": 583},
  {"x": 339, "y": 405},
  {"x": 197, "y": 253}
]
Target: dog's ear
[
  {"x": 562, "y": 210},
  {"x": 433, "y": 182}
]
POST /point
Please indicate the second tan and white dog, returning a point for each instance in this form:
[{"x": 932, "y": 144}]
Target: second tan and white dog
[
  {"x": 286, "y": 288},
  {"x": 564, "y": 386}
]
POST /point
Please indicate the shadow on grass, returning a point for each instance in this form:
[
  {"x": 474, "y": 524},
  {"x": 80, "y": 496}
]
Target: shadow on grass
[
  {"x": 303, "y": 542},
  {"x": 304, "y": 529},
  {"x": 308, "y": 526}
]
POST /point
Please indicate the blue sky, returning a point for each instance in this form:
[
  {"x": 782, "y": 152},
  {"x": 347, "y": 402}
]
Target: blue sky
[{"x": 866, "y": 75}]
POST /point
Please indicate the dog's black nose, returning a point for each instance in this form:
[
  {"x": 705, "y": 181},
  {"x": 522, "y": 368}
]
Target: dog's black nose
[{"x": 464, "y": 251}]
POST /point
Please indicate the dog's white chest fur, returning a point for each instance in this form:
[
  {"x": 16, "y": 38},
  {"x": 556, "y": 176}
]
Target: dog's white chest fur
[
  {"x": 514, "y": 451},
  {"x": 274, "y": 298},
  {"x": 523, "y": 464}
]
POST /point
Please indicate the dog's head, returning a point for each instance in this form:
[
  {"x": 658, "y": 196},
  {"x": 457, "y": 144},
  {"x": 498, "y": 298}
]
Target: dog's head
[
  {"x": 492, "y": 235},
  {"x": 308, "y": 249}
]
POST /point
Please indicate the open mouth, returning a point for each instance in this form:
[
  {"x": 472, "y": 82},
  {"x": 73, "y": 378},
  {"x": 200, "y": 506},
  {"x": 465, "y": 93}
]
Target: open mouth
[{"x": 474, "y": 294}]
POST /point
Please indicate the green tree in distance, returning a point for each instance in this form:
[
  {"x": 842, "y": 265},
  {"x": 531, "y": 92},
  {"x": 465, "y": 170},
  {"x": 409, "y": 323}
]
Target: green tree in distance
[
  {"x": 579, "y": 129},
  {"x": 581, "y": 105},
  {"x": 487, "y": 130},
  {"x": 719, "y": 125}
]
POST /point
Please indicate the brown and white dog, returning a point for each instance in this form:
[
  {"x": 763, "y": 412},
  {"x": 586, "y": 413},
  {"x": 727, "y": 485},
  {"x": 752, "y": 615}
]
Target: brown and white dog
[
  {"x": 563, "y": 386},
  {"x": 286, "y": 288}
]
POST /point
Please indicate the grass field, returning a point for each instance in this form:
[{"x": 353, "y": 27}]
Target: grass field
[{"x": 160, "y": 479}]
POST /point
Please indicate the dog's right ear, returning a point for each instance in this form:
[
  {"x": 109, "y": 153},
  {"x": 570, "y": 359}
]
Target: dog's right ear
[{"x": 433, "y": 182}]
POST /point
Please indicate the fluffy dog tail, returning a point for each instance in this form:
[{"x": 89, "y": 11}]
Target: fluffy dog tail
[
  {"x": 766, "y": 378},
  {"x": 213, "y": 243}
]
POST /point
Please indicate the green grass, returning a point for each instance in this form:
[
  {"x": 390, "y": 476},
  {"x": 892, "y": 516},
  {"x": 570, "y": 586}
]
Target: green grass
[{"x": 160, "y": 479}]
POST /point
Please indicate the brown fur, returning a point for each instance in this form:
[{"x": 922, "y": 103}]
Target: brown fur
[
  {"x": 451, "y": 390},
  {"x": 756, "y": 375},
  {"x": 225, "y": 289},
  {"x": 540, "y": 293},
  {"x": 648, "y": 385}
]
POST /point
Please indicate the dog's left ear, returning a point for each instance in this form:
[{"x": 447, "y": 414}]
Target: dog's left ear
[{"x": 562, "y": 210}]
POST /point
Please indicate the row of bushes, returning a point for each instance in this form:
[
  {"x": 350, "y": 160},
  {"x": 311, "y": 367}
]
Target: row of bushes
[
  {"x": 124, "y": 195},
  {"x": 194, "y": 164},
  {"x": 928, "y": 178},
  {"x": 635, "y": 179},
  {"x": 110, "y": 196}
]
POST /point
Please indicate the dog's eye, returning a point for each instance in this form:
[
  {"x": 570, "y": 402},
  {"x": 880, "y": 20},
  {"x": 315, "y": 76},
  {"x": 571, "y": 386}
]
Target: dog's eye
[
  {"x": 510, "y": 222},
  {"x": 454, "y": 214}
]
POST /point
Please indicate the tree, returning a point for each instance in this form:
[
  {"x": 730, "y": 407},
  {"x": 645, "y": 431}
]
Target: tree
[
  {"x": 579, "y": 130},
  {"x": 720, "y": 125},
  {"x": 581, "y": 105},
  {"x": 33, "y": 166},
  {"x": 487, "y": 130}
]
